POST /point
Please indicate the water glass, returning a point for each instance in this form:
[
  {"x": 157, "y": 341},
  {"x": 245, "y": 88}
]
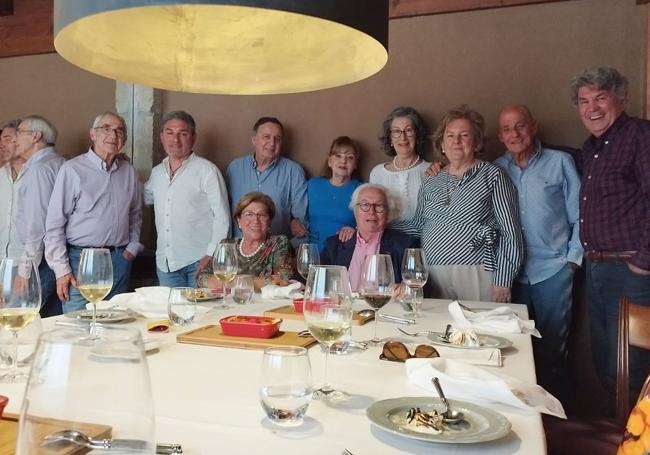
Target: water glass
[
  {"x": 285, "y": 384},
  {"x": 243, "y": 289},
  {"x": 181, "y": 306}
]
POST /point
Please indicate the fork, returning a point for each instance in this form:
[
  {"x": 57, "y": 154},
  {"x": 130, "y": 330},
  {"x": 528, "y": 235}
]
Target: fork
[
  {"x": 347, "y": 452},
  {"x": 416, "y": 334}
]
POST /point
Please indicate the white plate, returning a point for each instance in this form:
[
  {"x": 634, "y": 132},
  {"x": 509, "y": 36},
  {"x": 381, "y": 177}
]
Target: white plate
[
  {"x": 103, "y": 316},
  {"x": 480, "y": 425},
  {"x": 487, "y": 341},
  {"x": 210, "y": 294}
]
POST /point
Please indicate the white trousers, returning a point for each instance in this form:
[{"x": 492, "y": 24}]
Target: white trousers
[{"x": 461, "y": 282}]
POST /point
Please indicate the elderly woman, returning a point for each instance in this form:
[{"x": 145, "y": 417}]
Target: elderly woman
[
  {"x": 404, "y": 136},
  {"x": 330, "y": 194},
  {"x": 266, "y": 257},
  {"x": 467, "y": 217},
  {"x": 373, "y": 208}
]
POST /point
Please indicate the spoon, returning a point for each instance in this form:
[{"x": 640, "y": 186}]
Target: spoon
[
  {"x": 450, "y": 417},
  {"x": 80, "y": 439}
]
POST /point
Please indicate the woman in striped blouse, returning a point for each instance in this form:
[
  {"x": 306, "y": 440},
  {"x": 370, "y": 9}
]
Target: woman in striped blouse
[{"x": 467, "y": 217}]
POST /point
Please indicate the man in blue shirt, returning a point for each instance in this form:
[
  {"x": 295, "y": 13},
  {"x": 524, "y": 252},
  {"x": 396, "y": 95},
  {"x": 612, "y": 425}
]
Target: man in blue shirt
[
  {"x": 548, "y": 187},
  {"x": 282, "y": 179}
]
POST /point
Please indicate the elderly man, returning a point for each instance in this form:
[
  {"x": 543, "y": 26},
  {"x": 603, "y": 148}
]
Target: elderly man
[
  {"x": 548, "y": 186},
  {"x": 190, "y": 202},
  {"x": 10, "y": 176},
  {"x": 96, "y": 203},
  {"x": 373, "y": 209},
  {"x": 34, "y": 141},
  {"x": 614, "y": 213},
  {"x": 282, "y": 179}
]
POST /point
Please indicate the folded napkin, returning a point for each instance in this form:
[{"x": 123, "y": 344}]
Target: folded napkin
[
  {"x": 501, "y": 320},
  {"x": 273, "y": 291},
  {"x": 470, "y": 383},
  {"x": 152, "y": 307},
  {"x": 488, "y": 357}
]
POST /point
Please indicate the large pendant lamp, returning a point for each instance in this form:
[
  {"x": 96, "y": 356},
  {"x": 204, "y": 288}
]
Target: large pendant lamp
[{"x": 228, "y": 47}]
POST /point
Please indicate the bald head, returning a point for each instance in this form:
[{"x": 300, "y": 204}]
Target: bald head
[{"x": 517, "y": 129}]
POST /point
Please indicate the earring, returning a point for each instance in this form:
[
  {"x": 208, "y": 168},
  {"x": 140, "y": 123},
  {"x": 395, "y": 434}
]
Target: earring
[{"x": 442, "y": 151}]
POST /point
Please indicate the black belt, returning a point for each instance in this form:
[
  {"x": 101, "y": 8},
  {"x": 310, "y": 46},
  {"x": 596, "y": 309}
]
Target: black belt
[
  {"x": 109, "y": 248},
  {"x": 609, "y": 256}
]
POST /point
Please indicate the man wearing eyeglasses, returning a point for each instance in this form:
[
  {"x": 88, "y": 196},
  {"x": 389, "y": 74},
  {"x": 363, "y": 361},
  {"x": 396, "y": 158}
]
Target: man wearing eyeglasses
[
  {"x": 96, "y": 203},
  {"x": 34, "y": 141},
  {"x": 190, "y": 202}
]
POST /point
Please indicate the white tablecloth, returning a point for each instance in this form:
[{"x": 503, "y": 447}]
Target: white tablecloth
[{"x": 207, "y": 397}]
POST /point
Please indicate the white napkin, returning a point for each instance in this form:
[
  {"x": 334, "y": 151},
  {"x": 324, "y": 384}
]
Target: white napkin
[
  {"x": 153, "y": 307},
  {"x": 501, "y": 320},
  {"x": 273, "y": 291},
  {"x": 470, "y": 383},
  {"x": 489, "y": 357}
]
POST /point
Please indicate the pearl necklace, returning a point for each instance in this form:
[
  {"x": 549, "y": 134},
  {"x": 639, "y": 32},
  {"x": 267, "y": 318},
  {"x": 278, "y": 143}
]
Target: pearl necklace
[
  {"x": 413, "y": 164},
  {"x": 253, "y": 253}
]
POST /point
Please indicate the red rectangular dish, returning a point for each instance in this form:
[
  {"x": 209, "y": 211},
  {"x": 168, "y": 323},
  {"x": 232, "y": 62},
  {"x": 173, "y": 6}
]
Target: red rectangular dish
[{"x": 250, "y": 326}]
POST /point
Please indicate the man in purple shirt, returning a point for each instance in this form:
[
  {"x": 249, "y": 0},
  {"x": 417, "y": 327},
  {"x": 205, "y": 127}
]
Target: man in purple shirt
[
  {"x": 614, "y": 215},
  {"x": 97, "y": 203},
  {"x": 34, "y": 141}
]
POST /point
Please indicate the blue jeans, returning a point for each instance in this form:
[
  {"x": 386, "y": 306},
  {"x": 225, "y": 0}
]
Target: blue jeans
[
  {"x": 549, "y": 303},
  {"x": 121, "y": 274},
  {"x": 182, "y": 278},
  {"x": 606, "y": 283},
  {"x": 50, "y": 303}
]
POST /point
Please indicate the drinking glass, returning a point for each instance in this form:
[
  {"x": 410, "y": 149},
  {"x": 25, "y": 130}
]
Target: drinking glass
[
  {"x": 414, "y": 274},
  {"x": 97, "y": 386},
  {"x": 377, "y": 283},
  {"x": 285, "y": 384},
  {"x": 181, "y": 306},
  {"x": 328, "y": 313},
  {"x": 20, "y": 300},
  {"x": 225, "y": 265},
  {"x": 308, "y": 255},
  {"x": 95, "y": 278},
  {"x": 243, "y": 289}
]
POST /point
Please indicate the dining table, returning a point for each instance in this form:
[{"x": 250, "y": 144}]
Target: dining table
[{"x": 207, "y": 397}]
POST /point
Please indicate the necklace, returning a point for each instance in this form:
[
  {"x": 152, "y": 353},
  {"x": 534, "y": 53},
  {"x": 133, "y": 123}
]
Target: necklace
[
  {"x": 397, "y": 168},
  {"x": 253, "y": 253}
]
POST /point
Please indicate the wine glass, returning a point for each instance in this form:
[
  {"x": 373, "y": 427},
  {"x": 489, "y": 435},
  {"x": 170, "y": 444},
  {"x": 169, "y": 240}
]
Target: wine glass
[
  {"x": 414, "y": 274},
  {"x": 377, "y": 283},
  {"x": 307, "y": 256},
  {"x": 328, "y": 313},
  {"x": 225, "y": 265},
  {"x": 95, "y": 278},
  {"x": 181, "y": 306},
  {"x": 243, "y": 289},
  {"x": 20, "y": 300},
  {"x": 97, "y": 386}
]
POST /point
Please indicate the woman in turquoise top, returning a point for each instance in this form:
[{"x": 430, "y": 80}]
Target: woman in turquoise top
[{"x": 329, "y": 195}]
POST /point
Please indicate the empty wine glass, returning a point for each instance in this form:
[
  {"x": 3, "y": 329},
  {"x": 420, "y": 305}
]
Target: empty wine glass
[
  {"x": 243, "y": 289},
  {"x": 414, "y": 275},
  {"x": 20, "y": 300},
  {"x": 181, "y": 306},
  {"x": 307, "y": 256},
  {"x": 95, "y": 278},
  {"x": 377, "y": 283},
  {"x": 328, "y": 313},
  {"x": 225, "y": 265}
]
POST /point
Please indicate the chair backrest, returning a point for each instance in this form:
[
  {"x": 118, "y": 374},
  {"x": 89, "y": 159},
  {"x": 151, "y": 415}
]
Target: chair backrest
[{"x": 633, "y": 329}]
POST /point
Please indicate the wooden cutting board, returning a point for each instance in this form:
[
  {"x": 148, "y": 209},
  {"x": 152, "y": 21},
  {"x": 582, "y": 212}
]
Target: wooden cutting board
[
  {"x": 9, "y": 435},
  {"x": 212, "y": 335},
  {"x": 289, "y": 312}
]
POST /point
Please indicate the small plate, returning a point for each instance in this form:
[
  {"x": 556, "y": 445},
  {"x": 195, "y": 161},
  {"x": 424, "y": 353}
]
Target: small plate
[
  {"x": 205, "y": 294},
  {"x": 102, "y": 315},
  {"x": 480, "y": 424},
  {"x": 487, "y": 341}
]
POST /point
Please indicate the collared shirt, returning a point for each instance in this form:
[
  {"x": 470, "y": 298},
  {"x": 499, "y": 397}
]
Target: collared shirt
[
  {"x": 548, "y": 190},
  {"x": 10, "y": 245},
  {"x": 362, "y": 249},
  {"x": 615, "y": 192},
  {"x": 92, "y": 206},
  {"x": 38, "y": 175},
  {"x": 283, "y": 181},
  {"x": 192, "y": 211}
]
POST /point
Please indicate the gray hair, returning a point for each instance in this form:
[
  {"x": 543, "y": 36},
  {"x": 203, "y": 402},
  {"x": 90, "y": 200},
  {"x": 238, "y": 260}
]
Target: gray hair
[
  {"x": 392, "y": 202},
  {"x": 180, "y": 115},
  {"x": 602, "y": 78},
  {"x": 421, "y": 135},
  {"x": 43, "y": 126},
  {"x": 10, "y": 124},
  {"x": 98, "y": 120}
]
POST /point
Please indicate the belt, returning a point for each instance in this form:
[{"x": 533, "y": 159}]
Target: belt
[
  {"x": 109, "y": 248},
  {"x": 609, "y": 256}
]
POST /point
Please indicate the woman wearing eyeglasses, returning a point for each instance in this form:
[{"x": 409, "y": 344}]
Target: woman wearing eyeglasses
[
  {"x": 373, "y": 208},
  {"x": 404, "y": 136}
]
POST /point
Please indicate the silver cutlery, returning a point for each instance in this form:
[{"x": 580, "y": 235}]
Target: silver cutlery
[
  {"x": 451, "y": 417},
  {"x": 396, "y": 319},
  {"x": 422, "y": 333},
  {"x": 347, "y": 452},
  {"x": 81, "y": 439}
]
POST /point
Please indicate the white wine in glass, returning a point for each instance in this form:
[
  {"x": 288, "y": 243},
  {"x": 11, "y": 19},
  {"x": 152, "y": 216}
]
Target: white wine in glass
[
  {"x": 225, "y": 265},
  {"x": 414, "y": 275},
  {"x": 377, "y": 284},
  {"x": 95, "y": 278},
  {"x": 20, "y": 300},
  {"x": 308, "y": 255}
]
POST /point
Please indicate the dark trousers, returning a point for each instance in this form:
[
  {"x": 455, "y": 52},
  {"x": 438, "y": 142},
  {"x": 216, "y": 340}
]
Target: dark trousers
[{"x": 50, "y": 303}]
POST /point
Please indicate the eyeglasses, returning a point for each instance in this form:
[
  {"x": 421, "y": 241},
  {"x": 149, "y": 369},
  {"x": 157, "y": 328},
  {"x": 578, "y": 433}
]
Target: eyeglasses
[
  {"x": 252, "y": 215},
  {"x": 365, "y": 207},
  {"x": 396, "y": 351},
  {"x": 107, "y": 130},
  {"x": 409, "y": 131}
]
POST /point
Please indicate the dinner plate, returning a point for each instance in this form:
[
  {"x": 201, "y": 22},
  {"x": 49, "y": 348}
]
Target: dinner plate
[
  {"x": 480, "y": 424},
  {"x": 102, "y": 315},
  {"x": 487, "y": 341}
]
